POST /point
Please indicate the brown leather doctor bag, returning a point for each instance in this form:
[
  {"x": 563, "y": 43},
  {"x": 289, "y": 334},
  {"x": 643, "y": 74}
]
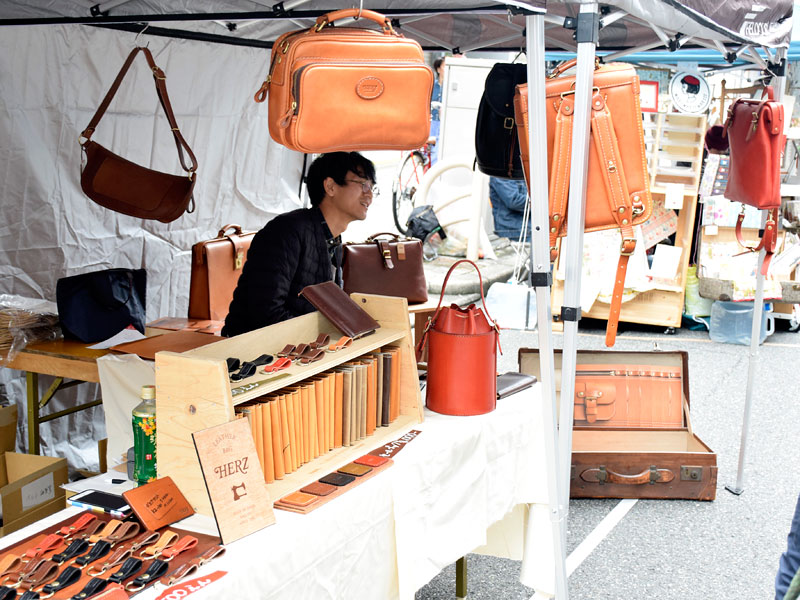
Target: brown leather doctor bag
[
  {"x": 216, "y": 266},
  {"x": 348, "y": 87},
  {"x": 618, "y": 185}
]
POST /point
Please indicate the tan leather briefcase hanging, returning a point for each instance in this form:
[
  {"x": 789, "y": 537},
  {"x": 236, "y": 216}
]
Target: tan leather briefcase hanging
[
  {"x": 618, "y": 187},
  {"x": 348, "y": 88},
  {"x": 216, "y": 266}
]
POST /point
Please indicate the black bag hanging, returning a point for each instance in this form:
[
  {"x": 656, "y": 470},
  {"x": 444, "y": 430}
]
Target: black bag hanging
[
  {"x": 496, "y": 146},
  {"x": 95, "y": 306}
]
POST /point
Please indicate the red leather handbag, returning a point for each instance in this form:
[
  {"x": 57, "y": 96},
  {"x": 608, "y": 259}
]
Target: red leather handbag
[
  {"x": 462, "y": 357},
  {"x": 754, "y": 129}
]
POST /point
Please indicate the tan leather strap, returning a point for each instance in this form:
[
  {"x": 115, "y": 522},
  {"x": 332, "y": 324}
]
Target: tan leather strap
[
  {"x": 560, "y": 171},
  {"x": 109, "y": 528},
  {"x": 91, "y": 529},
  {"x": 210, "y": 554},
  {"x": 180, "y": 573},
  {"x": 161, "y": 89},
  {"x": 167, "y": 539},
  {"x": 124, "y": 532},
  {"x": 604, "y": 475},
  {"x": 78, "y": 525},
  {"x": 768, "y": 242},
  {"x": 10, "y": 563},
  {"x": 148, "y": 537}
]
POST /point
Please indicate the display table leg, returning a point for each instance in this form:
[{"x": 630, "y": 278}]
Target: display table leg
[{"x": 461, "y": 578}]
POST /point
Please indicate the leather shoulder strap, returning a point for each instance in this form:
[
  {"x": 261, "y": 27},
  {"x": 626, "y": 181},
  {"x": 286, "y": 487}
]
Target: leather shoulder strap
[{"x": 161, "y": 89}]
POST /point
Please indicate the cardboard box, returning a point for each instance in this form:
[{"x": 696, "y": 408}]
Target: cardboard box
[{"x": 30, "y": 485}]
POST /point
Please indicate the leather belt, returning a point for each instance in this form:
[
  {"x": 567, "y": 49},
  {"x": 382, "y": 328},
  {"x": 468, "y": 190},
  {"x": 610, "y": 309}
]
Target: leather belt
[
  {"x": 78, "y": 525},
  {"x": 128, "y": 569}
]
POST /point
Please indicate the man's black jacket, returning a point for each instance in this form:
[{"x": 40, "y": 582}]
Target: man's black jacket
[{"x": 289, "y": 253}]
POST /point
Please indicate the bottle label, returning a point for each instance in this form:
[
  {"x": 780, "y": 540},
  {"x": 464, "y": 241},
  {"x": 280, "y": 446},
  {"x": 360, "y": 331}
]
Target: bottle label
[{"x": 144, "y": 448}]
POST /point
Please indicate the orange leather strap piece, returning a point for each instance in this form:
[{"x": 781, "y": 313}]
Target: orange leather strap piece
[
  {"x": 51, "y": 542},
  {"x": 9, "y": 564},
  {"x": 605, "y": 143},
  {"x": 78, "y": 525},
  {"x": 148, "y": 537},
  {"x": 124, "y": 532},
  {"x": 768, "y": 242},
  {"x": 187, "y": 542},
  {"x": 45, "y": 572}
]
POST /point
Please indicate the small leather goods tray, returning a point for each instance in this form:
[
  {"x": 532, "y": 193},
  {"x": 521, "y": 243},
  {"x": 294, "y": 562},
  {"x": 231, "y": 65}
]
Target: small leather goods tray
[{"x": 632, "y": 433}]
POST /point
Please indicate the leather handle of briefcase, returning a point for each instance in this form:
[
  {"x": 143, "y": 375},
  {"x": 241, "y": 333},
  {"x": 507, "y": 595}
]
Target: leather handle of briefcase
[
  {"x": 356, "y": 13},
  {"x": 604, "y": 475},
  {"x": 375, "y": 236},
  {"x": 768, "y": 242},
  {"x": 161, "y": 90},
  {"x": 567, "y": 65},
  {"x": 237, "y": 230}
]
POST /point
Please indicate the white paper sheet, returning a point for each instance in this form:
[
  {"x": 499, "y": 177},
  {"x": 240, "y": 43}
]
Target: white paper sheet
[{"x": 124, "y": 336}]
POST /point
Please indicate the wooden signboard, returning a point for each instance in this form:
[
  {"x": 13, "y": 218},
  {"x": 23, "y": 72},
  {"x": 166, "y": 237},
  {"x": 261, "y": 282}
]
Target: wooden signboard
[{"x": 234, "y": 479}]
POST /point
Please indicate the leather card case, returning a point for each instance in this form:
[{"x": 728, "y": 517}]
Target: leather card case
[
  {"x": 158, "y": 503},
  {"x": 511, "y": 383},
  {"x": 354, "y": 469},
  {"x": 319, "y": 489},
  {"x": 299, "y": 499},
  {"x": 347, "y": 316},
  {"x": 371, "y": 460},
  {"x": 338, "y": 479}
]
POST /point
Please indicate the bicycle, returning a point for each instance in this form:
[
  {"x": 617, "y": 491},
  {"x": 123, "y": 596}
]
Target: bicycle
[{"x": 406, "y": 181}]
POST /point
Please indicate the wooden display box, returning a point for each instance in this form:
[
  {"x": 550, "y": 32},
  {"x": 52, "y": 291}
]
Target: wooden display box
[
  {"x": 621, "y": 462},
  {"x": 193, "y": 392}
]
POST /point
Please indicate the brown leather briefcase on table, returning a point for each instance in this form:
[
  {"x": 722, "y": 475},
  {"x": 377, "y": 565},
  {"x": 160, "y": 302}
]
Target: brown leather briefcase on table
[
  {"x": 216, "y": 266},
  {"x": 632, "y": 434},
  {"x": 388, "y": 267}
]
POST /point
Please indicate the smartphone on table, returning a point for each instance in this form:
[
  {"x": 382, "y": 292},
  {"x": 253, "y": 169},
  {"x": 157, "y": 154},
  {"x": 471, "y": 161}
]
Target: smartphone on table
[{"x": 104, "y": 502}]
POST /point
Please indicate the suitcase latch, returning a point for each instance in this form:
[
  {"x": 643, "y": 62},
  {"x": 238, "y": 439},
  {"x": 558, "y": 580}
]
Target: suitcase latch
[
  {"x": 691, "y": 473},
  {"x": 239, "y": 260}
]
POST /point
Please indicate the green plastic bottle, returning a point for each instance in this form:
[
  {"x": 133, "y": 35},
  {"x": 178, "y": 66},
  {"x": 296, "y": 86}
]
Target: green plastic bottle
[{"x": 144, "y": 436}]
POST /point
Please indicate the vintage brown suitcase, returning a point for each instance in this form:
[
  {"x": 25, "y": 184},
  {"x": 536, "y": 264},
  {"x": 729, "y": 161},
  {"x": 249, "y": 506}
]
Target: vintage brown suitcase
[
  {"x": 655, "y": 454},
  {"x": 216, "y": 266}
]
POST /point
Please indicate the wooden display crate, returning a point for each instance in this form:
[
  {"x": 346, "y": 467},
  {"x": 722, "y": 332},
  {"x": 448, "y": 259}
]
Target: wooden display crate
[{"x": 193, "y": 391}]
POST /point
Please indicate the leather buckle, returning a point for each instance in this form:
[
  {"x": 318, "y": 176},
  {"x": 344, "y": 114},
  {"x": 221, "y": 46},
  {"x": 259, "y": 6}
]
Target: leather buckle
[
  {"x": 508, "y": 123},
  {"x": 624, "y": 243}
]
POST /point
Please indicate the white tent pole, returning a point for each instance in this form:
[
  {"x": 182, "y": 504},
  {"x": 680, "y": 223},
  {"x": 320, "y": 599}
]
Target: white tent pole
[
  {"x": 542, "y": 280},
  {"x": 755, "y": 330},
  {"x": 587, "y": 35}
]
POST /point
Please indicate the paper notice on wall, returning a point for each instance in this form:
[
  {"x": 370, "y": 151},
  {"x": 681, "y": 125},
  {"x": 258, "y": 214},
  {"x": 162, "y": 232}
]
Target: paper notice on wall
[
  {"x": 661, "y": 224},
  {"x": 674, "y": 196},
  {"x": 38, "y": 491}
]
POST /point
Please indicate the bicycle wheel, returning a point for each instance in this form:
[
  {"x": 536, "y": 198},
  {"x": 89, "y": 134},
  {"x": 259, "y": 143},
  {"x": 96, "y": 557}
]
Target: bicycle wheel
[{"x": 405, "y": 187}]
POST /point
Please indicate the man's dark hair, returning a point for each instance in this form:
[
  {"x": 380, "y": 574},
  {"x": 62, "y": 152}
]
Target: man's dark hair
[
  {"x": 336, "y": 165},
  {"x": 438, "y": 63}
]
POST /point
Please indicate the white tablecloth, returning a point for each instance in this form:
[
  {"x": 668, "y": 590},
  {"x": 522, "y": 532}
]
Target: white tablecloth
[{"x": 391, "y": 535}]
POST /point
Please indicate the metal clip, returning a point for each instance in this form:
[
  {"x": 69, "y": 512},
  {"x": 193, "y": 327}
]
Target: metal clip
[
  {"x": 754, "y": 123},
  {"x": 239, "y": 260},
  {"x": 622, "y": 246},
  {"x": 612, "y": 168}
]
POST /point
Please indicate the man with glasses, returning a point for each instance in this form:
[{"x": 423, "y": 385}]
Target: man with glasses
[{"x": 302, "y": 247}]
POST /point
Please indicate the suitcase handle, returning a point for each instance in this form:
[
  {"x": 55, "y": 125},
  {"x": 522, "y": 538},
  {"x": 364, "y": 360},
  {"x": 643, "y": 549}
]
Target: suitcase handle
[
  {"x": 603, "y": 475},
  {"x": 237, "y": 230},
  {"x": 329, "y": 18}
]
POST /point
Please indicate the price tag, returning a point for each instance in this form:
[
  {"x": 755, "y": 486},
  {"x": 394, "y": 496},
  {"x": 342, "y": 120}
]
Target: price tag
[{"x": 674, "y": 196}]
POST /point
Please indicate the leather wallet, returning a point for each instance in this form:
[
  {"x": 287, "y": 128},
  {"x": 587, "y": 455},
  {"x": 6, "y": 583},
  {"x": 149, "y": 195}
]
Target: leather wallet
[
  {"x": 371, "y": 460},
  {"x": 347, "y": 316},
  {"x": 299, "y": 499},
  {"x": 319, "y": 489},
  {"x": 354, "y": 469},
  {"x": 338, "y": 479},
  {"x": 511, "y": 383}
]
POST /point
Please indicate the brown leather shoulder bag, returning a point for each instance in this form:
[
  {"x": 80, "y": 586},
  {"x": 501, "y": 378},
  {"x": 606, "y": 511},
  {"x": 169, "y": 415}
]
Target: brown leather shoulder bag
[
  {"x": 618, "y": 185},
  {"x": 125, "y": 187}
]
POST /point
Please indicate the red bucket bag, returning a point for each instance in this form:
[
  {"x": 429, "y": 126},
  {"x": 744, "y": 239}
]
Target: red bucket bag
[{"x": 462, "y": 357}]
